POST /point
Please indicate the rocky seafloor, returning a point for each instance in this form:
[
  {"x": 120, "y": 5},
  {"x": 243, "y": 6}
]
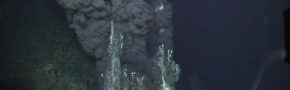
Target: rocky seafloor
[{"x": 39, "y": 52}]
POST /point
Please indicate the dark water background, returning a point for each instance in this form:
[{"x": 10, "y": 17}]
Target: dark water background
[
  {"x": 218, "y": 44},
  {"x": 222, "y": 41}
]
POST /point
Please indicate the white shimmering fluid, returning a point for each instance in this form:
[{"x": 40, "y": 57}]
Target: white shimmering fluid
[
  {"x": 160, "y": 8},
  {"x": 117, "y": 77},
  {"x": 162, "y": 55},
  {"x": 112, "y": 80}
]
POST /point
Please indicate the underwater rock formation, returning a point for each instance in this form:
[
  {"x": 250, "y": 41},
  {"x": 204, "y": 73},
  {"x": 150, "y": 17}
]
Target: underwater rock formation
[{"x": 132, "y": 39}]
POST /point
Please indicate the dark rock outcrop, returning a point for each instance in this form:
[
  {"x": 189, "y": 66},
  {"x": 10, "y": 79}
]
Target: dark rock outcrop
[{"x": 144, "y": 24}]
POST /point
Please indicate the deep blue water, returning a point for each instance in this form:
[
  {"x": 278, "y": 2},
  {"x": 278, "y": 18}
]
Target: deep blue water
[{"x": 222, "y": 41}]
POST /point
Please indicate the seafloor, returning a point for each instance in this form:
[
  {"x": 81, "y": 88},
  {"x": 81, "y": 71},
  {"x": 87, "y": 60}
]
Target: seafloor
[{"x": 39, "y": 51}]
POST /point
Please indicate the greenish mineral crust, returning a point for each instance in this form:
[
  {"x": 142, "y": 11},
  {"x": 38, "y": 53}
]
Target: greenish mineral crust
[{"x": 40, "y": 52}]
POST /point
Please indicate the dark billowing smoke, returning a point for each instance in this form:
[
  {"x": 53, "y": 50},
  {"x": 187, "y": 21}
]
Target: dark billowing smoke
[{"x": 141, "y": 22}]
